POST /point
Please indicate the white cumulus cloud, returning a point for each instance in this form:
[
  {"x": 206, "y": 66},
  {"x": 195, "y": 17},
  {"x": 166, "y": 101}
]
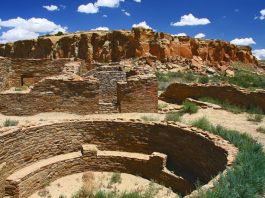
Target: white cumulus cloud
[
  {"x": 126, "y": 13},
  {"x": 243, "y": 41},
  {"x": 51, "y": 7},
  {"x": 190, "y": 20},
  {"x": 92, "y": 8},
  {"x": 262, "y": 15},
  {"x": 20, "y": 28},
  {"x": 180, "y": 34},
  {"x": 142, "y": 24},
  {"x": 259, "y": 53},
  {"x": 89, "y": 8},
  {"x": 200, "y": 35},
  {"x": 101, "y": 29},
  {"x": 108, "y": 3},
  {"x": 138, "y": 1}
]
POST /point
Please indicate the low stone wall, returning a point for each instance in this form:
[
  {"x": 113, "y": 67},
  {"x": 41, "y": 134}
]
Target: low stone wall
[
  {"x": 24, "y": 146},
  {"x": 150, "y": 167},
  {"x": 178, "y": 92},
  {"x": 18, "y": 72},
  {"x": 53, "y": 95},
  {"x": 138, "y": 94}
]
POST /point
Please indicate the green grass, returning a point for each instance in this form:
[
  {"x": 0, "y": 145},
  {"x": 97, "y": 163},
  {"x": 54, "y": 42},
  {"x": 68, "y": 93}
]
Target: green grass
[
  {"x": 231, "y": 107},
  {"x": 176, "y": 117},
  {"x": 261, "y": 130},
  {"x": 9, "y": 122},
  {"x": 162, "y": 106},
  {"x": 246, "y": 179},
  {"x": 203, "y": 79},
  {"x": 244, "y": 77},
  {"x": 255, "y": 117},
  {"x": 150, "y": 118},
  {"x": 189, "y": 107},
  {"x": 150, "y": 192},
  {"x": 115, "y": 178}
]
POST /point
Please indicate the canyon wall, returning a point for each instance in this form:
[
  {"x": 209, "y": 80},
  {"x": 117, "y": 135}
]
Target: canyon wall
[{"x": 104, "y": 46}]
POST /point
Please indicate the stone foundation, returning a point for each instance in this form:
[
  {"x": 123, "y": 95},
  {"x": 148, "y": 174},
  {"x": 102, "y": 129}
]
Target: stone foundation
[
  {"x": 178, "y": 92},
  {"x": 25, "y": 146}
]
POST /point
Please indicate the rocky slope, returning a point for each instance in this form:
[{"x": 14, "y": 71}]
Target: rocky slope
[{"x": 104, "y": 46}]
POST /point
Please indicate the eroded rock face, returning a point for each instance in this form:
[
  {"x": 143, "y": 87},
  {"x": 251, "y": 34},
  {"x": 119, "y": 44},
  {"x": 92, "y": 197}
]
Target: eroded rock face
[{"x": 103, "y": 46}]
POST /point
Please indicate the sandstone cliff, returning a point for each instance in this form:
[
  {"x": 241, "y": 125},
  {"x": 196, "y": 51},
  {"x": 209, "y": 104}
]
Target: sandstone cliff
[{"x": 104, "y": 46}]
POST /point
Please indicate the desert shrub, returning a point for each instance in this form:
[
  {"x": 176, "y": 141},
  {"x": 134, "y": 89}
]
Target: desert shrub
[
  {"x": 22, "y": 88},
  {"x": 189, "y": 107},
  {"x": 150, "y": 118},
  {"x": 247, "y": 79},
  {"x": 176, "y": 117},
  {"x": 247, "y": 176},
  {"x": 261, "y": 130},
  {"x": 9, "y": 122},
  {"x": 115, "y": 178},
  {"x": 204, "y": 79},
  {"x": 59, "y": 33},
  {"x": 255, "y": 117},
  {"x": 162, "y": 105}
]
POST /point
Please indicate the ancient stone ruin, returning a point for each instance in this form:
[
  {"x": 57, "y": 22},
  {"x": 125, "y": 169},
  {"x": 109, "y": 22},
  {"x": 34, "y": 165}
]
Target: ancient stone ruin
[
  {"x": 64, "y": 85},
  {"x": 155, "y": 151}
]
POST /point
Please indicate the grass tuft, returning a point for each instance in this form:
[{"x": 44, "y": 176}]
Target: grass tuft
[
  {"x": 255, "y": 117},
  {"x": 9, "y": 123},
  {"x": 261, "y": 130},
  {"x": 150, "y": 118},
  {"x": 115, "y": 178},
  {"x": 189, "y": 107},
  {"x": 176, "y": 117}
]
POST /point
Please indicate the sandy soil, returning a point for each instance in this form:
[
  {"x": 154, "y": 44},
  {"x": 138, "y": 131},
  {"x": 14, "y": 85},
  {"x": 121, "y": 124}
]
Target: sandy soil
[
  {"x": 93, "y": 181},
  {"x": 229, "y": 120}
]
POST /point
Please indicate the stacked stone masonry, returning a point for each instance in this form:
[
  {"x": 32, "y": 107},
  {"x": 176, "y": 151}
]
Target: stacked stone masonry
[
  {"x": 178, "y": 92},
  {"x": 57, "y": 147},
  {"x": 70, "y": 88},
  {"x": 19, "y": 72},
  {"x": 138, "y": 93},
  {"x": 19, "y": 184}
]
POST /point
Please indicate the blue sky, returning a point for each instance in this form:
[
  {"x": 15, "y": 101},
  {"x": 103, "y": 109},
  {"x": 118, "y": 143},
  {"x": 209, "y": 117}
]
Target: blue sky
[{"x": 242, "y": 21}]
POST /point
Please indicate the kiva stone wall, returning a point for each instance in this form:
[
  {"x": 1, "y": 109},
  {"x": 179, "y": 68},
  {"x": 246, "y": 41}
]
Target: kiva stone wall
[
  {"x": 53, "y": 95},
  {"x": 18, "y": 72},
  {"x": 22, "y": 185},
  {"x": 178, "y": 92},
  {"x": 21, "y": 147},
  {"x": 138, "y": 94}
]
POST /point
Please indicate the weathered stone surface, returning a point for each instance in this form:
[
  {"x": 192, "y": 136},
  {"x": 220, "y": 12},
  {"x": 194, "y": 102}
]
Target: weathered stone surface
[
  {"x": 24, "y": 146},
  {"x": 96, "y": 92},
  {"x": 138, "y": 94},
  {"x": 19, "y": 72},
  {"x": 115, "y": 46},
  {"x": 178, "y": 92}
]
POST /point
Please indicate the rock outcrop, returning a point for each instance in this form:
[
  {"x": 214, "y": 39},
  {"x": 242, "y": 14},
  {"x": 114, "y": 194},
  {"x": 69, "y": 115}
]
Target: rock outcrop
[{"x": 105, "y": 46}]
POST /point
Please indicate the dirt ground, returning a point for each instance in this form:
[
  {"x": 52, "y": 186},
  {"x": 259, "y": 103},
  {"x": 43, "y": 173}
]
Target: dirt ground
[{"x": 93, "y": 181}]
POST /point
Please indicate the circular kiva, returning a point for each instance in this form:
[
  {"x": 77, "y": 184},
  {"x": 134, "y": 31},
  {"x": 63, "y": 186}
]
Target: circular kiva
[{"x": 174, "y": 155}]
